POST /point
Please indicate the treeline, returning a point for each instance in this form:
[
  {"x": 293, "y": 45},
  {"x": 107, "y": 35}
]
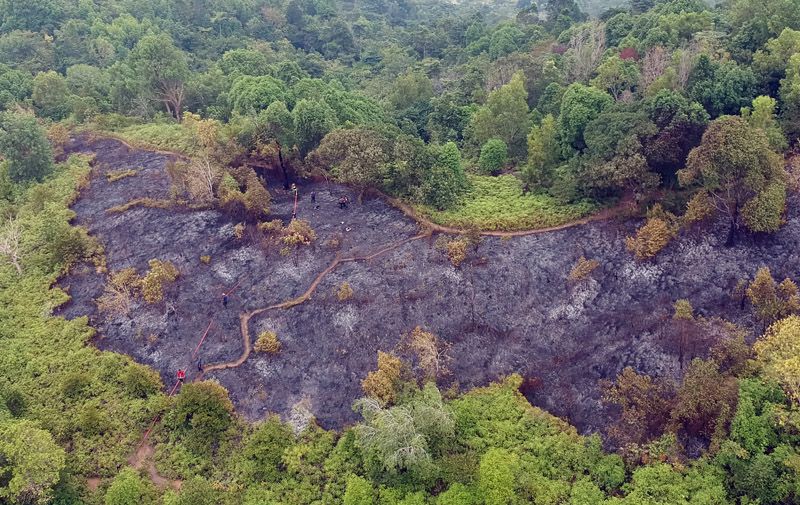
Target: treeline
[{"x": 577, "y": 108}]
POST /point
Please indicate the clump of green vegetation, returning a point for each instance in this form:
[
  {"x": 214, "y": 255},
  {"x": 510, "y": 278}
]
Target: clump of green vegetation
[
  {"x": 268, "y": 342},
  {"x": 169, "y": 136},
  {"x": 500, "y": 204},
  {"x": 115, "y": 175},
  {"x": 126, "y": 284}
]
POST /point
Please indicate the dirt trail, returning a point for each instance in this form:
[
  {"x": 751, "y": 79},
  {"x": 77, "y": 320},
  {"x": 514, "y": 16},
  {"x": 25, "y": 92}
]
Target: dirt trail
[
  {"x": 247, "y": 316},
  {"x": 143, "y": 458}
]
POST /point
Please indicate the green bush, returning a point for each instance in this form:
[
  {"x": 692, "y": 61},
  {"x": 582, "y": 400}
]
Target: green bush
[{"x": 129, "y": 488}]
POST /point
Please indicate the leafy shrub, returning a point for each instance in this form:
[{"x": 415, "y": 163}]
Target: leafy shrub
[
  {"x": 345, "y": 292},
  {"x": 268, "y": 342},
  {"x": 14, "y": 401},
  {"x": 242, "y": 195},
  {"x": 141, "y": 381},
  {"x": 152, "y": 284},
  {"x": 23, "y": 143},
  {"x": 262, "y": 454},
  {"x": 299, "y": 232},
  {"x": 129, "y": 488},
  {"x": 493, "y": 157},
  {"x": 201, "y": 413},
  {"x": 583, "y": 269},
  {"x": 74, "y": 384}
]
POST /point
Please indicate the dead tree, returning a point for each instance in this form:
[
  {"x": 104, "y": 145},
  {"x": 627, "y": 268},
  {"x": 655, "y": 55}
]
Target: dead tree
[{"x": 10, "y": 244}]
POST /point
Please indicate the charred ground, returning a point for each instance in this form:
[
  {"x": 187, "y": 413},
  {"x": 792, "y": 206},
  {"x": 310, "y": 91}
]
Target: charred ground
[{"x": 509, "y": 308}]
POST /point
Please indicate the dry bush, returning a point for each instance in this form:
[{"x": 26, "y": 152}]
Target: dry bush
[
  {"x": 152, "y": 284},
  {"x": 298, "y": 232},
  {"x": 205, "y": 259},
  {"x": 383, "y": 384},
  {"x": 654, "y": 235},
  {"x": 699, "y": 209},
  {"x": 242, "y": 195},
  {"x": 118, "y": 292},
  {"x": 583, "y": 269},
  {"x": 455, "y": 249},
  {"x": 268, "y": 342},
  {"x": 430, "y": 352},
  {"x": 271, "y": 227},
  {"x": 58, "y": 135},
  {"x": 151, "y": 203},
  {"x": 197, "y": 179},
  {"x": 772, "y": 301},
  {"x": 345, "y": 292},
  {"x": 115, "y": 175},
  {"x": 238, "y": 231}
]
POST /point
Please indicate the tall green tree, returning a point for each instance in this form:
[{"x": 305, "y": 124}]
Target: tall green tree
[
  {"x": 23, "y": 143},
  {"x": 446, "y": 181},
  {"x": 737, "y": 166},
  {"x": 544, "y": 153},
  {"x": 30, "y": 463},
  {"x": 504, "y": 116},
  {"x": 50, "y": 95},
  {"x": 313, "y": 119},
  {"x": 163, "y": 69},
  {"x": 581, "y": 104}
]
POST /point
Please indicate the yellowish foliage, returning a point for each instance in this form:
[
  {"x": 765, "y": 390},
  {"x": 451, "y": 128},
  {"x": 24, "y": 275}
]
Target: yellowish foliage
[
  {"x": 583, "y": 269},
  {"x": 345, "y": 292},
  {"x": 430, "y": 351},
  {"x": 651, "y": 238},
  {"x": 383, "y": 383},
  {"x": 268, "y": 342},
  {"x": 772, "y": 301},
  {"x": 683, "y": 310},
  {"x": 778, "y": 351},
  {"x": 115, "y": 175},
  {"x": 238, "y": 231},
  {"x": 152, "y": 284},
  {"x": 699, "y": 208}
]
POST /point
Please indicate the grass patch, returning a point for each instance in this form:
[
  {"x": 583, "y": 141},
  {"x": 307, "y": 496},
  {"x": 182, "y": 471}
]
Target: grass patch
[
  {"x": 141, "y": 202},
  {"x": 499, "y": 204},
  {"x": 166, "y": 136},
  {"x": 115, "y": 175}
]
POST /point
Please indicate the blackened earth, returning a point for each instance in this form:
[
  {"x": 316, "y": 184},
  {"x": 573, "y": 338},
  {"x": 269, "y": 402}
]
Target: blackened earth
[{"x": 509, "y": 308}]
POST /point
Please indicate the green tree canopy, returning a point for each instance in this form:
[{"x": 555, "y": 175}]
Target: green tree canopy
[
  {"x": 30, "y": 463},
  {"x": 24, "y": 145},
  {"x": 505, "y": 117},
  {"x": 737, "y": 166}
]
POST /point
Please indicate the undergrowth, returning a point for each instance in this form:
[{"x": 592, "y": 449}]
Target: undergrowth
[
  {"x": 104, "y": 400},
  {"x": 499, "y": 204}
]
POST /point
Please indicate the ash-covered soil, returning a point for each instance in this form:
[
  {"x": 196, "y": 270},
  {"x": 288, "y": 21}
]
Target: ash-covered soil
[{"x": 509, "y": 308}]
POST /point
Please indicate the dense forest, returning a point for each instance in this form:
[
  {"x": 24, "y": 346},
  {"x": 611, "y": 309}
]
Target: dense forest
[{"x": 479, "y": 116}]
